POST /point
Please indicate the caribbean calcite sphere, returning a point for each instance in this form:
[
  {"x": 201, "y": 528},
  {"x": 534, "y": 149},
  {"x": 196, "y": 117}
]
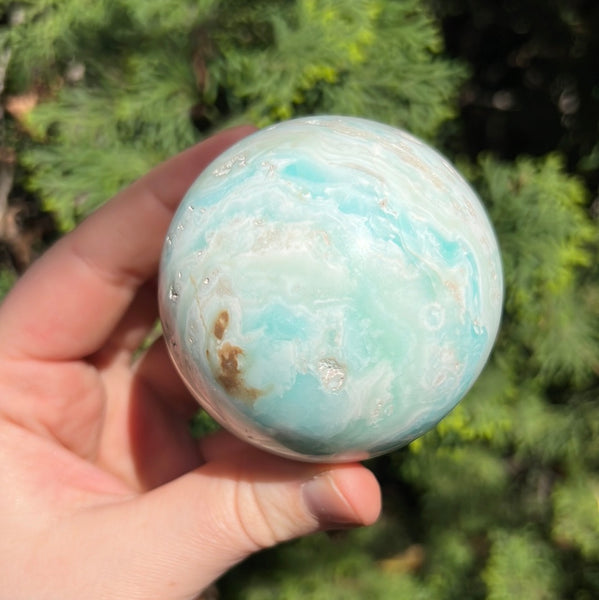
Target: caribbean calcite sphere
[{"x": 330, "y": 288}]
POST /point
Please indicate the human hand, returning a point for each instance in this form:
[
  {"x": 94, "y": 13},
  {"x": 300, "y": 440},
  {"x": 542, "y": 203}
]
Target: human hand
[{"x": 105, "y": 494}]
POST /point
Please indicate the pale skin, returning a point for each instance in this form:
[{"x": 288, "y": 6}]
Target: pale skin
[{"x": 104, "y": 492}]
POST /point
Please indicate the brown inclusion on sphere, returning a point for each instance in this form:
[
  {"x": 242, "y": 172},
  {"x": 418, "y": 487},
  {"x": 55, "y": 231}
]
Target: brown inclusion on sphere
[
  {"x": 221, "y": 324},
  {"x": 228, "y": 372}
]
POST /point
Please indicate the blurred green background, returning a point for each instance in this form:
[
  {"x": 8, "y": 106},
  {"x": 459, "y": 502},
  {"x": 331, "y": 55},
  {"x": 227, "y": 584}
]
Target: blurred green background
[{"x": 500, "y": 501}]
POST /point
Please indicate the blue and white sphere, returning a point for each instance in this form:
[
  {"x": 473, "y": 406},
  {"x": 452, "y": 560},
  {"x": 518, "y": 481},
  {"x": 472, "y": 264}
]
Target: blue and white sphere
[{"x": 330, "y": 288}]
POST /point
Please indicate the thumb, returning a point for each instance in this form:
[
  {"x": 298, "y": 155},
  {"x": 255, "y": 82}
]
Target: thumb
[{"x": 185, "y": 534}]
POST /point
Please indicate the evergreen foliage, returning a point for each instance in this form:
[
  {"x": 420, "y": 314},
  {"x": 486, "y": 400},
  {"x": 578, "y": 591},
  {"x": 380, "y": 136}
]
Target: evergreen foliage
[
  {"x": 539, "y": 214},
  {"x": 500, "y": 501},
  {"x": 359, "y": 58},
  {"x": 118, "y": 81}
]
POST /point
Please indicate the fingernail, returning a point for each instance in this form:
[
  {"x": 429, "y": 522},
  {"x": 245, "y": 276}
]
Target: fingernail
[{"x": 324, "y": 500}]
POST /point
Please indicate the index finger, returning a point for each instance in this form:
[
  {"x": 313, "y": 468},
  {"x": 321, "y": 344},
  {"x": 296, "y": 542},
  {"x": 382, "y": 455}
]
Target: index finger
[{"x": 69, "y": 301}]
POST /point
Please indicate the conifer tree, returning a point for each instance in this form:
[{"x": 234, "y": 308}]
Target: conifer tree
[{"x": 500, "y": 500}]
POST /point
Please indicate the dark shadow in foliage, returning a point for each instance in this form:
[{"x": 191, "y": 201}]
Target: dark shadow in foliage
[{"x": 535, "y": 77}]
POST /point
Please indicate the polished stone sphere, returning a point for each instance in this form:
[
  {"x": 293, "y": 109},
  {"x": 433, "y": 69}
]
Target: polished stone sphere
[{"x": 330, "y": 288}]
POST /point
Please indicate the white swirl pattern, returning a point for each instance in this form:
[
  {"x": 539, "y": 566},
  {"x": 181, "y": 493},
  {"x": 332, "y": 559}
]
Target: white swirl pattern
[{"x": 330, "y": 288}]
